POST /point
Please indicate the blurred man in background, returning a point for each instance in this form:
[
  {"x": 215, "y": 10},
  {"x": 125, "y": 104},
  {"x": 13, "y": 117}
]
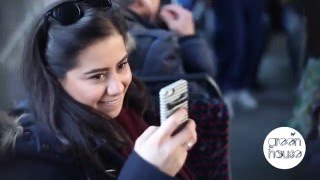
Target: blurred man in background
[
  {"x": 238, "y": 47},
  {"x": 163, "y": 51}
]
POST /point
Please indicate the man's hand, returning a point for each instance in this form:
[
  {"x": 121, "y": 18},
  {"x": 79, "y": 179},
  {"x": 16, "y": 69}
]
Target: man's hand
[{"x": 178, "y": 19}]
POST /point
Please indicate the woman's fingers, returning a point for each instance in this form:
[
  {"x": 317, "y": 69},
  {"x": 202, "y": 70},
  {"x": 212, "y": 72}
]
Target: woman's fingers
[
  {"x": 146, "y": 134},
  {"x": 158, "y": 147},
  {"x": 168, "y": 126},
  {"x": 187, "y": 137}
]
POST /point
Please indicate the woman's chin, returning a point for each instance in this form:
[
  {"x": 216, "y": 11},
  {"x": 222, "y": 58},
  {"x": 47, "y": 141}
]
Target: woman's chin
[{"x": 112, "y": 112}]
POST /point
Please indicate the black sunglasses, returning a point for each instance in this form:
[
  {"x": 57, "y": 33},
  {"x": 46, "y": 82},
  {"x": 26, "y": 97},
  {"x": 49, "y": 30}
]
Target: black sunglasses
[{"x": 70, "y": 12}]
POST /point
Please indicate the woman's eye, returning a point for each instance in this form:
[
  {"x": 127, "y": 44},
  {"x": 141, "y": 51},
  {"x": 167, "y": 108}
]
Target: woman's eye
[
  {"x": 98, "y": 76},
  {"x": 122, "y": 65}
]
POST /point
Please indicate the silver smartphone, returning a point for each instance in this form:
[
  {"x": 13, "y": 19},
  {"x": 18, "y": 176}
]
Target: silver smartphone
[{"x": 173, "y": 97}]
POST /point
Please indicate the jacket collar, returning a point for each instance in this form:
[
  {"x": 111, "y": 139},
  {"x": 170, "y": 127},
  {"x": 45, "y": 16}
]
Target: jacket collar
[{"x": 133, "y": 17}]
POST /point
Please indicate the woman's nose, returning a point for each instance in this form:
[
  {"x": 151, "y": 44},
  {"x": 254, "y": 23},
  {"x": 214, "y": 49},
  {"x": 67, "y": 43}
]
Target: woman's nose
[{"x": 115, "y": 86}]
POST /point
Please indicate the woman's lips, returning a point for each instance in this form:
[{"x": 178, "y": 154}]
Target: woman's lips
[{"x": 111, "y": 102}]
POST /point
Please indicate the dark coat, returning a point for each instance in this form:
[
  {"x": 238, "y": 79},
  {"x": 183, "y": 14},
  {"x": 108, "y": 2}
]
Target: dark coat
[{"x": 38, "y": 154}]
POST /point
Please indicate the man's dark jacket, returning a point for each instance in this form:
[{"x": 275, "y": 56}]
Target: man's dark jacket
[{"x": 162, "y": 52}]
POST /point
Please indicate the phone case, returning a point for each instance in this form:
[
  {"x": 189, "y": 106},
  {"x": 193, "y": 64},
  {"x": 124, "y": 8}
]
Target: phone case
[{"x": 173, "y": 97}]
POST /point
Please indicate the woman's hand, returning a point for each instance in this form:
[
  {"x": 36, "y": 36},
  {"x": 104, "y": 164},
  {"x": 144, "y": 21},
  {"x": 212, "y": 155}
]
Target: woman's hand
[{"x": 168, "y": 153}]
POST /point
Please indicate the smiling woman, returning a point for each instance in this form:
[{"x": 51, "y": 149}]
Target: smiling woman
[
  {"x": 85, "y": 107},
  {"x": 102, "y": 76}
]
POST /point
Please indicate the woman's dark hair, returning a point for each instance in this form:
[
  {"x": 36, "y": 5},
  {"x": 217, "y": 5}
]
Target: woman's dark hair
[{"x": 50, "y": 53}]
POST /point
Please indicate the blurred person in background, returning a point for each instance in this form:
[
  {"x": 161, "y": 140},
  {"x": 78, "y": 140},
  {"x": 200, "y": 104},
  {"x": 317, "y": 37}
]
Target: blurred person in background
[
  {"x": 83, "y": 119},
  {"x": 177, "y": 50},
  {"x": 309, "y": 87},
  {"x": 294, "y": 24},
  {"x": 306, "y": 115},
  {"x": 285, "y": 16},
  {"x": 238, "y": 47}
]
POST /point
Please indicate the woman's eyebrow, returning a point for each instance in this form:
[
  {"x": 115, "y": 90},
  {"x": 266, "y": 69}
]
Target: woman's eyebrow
[
  {"x": 125, "y": 57},
  {"x": 106, "y": 69}
]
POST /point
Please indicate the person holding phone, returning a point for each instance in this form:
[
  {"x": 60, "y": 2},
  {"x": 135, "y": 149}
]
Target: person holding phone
[{"x": 83, "y": 120}]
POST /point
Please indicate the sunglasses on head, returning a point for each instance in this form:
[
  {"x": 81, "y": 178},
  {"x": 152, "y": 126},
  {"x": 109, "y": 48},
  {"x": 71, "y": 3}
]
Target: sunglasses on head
[{"x": 70, "y": 12}]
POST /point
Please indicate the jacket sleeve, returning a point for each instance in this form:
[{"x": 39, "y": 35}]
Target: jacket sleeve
[
  {"x": 196, "y": 55},
  {"x": 162, "y": 56},
  {"x": 137, "y": 168},
  {"x": 35, "y": 169}
]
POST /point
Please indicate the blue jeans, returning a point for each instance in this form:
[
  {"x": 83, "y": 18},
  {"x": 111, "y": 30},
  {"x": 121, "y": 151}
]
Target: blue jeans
[{"x": 238, "y": 42}]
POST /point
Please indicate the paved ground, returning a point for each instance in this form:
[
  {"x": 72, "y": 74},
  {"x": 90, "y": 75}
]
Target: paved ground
[{"x": 249, "y": 128}]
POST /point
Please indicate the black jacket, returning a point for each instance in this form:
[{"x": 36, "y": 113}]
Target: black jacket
[
  {"x": 38, "y": 154},
  {"x": 160, "y": 52}
]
